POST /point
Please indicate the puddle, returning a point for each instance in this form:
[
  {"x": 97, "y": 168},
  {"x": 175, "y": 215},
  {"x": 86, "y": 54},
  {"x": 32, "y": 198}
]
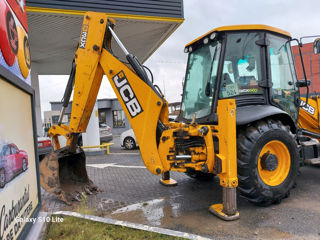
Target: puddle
[
  {"x": 134, "y": 207},
  {"x": 154, "y": 212}
]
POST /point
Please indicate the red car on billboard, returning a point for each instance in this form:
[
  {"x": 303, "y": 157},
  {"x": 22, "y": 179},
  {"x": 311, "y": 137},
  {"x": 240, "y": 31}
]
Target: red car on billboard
[{"x": 12, "y": 162}]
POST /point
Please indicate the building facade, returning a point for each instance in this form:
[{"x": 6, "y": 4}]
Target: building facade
[
  {"x": 111, "y": 113},
  {"x": 312, "y": 66},
  {"x": 109, "y": 110}
]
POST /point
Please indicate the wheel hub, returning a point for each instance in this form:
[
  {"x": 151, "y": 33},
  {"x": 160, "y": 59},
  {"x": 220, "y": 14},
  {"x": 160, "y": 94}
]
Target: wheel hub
[{"x": 269, "y": 162}]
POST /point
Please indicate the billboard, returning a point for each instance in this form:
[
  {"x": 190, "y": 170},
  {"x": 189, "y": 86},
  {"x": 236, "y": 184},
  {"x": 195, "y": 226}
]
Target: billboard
[
  {"x": 14, "y": 41},
  {"x": 19, "y": 181},
  {"x": 19, "y": 175}
]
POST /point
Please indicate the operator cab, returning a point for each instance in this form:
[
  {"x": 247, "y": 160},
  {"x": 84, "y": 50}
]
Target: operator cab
[{"x": 251, "y": 63}]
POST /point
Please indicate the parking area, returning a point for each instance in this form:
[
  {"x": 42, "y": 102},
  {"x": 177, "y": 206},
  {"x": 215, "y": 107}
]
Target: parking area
[{"x": 131, "y": 193}]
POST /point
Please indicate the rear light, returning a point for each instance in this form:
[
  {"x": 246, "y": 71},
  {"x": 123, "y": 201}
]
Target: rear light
[{"x": 46, "y": 143}]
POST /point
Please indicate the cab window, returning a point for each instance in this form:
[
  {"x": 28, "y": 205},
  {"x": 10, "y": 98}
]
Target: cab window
[
  {"x": 242, "y": 65},
  {"x": 283, "y": 75}
]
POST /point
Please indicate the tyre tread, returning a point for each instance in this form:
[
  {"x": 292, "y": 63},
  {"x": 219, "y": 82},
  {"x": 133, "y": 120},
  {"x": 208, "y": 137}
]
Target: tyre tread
[{"x": 246, "y": 175}]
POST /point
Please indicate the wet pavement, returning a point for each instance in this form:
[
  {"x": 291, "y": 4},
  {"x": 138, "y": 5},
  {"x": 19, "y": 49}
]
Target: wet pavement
[{"x": 131, "y": 193}]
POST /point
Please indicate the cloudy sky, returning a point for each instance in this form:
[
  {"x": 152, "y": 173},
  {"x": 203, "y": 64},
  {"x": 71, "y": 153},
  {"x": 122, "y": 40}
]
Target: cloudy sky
[{"x": 300, "y": 18}]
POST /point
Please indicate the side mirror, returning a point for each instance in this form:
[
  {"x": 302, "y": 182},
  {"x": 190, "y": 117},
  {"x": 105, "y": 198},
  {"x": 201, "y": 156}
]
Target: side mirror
[
  {"x": 302, "y": 83},
  {"x": 316, "y": 46}
]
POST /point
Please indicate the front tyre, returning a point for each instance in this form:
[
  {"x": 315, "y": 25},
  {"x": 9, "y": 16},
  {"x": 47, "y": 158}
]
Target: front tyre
[{"x": 268, "y": 162}]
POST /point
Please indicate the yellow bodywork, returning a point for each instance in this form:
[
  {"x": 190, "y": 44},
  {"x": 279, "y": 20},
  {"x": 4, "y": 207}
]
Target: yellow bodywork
[
  {"x": 92, "y": 64},
  {"x": 227, "y": 142},
  {"x": 309, "y": 114},
  {"x": 144, "y": 125},
  {"x": 145, "y": 108},
  {"x": 242, "y": 28}
]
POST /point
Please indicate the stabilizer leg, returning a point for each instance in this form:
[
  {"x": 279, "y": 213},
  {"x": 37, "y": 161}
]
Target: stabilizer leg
[
  {"x": 167, "y": 181},
  {"x": 228, "y": 154},
  {"x": 228, "y": 209}
]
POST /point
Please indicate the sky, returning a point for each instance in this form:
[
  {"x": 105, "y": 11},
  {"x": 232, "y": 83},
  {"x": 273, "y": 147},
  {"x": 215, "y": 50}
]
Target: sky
[{"x": 300, "y": 18}]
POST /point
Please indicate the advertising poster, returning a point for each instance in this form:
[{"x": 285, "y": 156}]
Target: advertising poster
[
  {"x": 14, "y": 42},
  {"x": 19, "y": 184},
  {"x": 18, "y": 171}
]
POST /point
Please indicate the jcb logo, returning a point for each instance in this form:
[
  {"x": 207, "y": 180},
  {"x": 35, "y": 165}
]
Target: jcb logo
[
  {"x": 307, "y": 107},
  {"x": 83, "y": 36},
  {"x": 127, "y": 94}
]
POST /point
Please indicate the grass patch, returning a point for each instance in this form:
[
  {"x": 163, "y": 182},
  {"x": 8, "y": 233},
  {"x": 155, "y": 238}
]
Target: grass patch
[
  {"x": 83, "y": 206},
  {"x": 82, "y": 229}
]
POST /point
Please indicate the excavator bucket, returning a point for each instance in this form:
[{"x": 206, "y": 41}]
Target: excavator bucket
[{"x": 63, "y": 174}]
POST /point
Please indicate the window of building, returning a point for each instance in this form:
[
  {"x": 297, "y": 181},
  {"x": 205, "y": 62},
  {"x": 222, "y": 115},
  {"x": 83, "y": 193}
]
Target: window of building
[
  {"x": 55, "y": 119},
  {"x": 118, "y": 118},
  {"x": 102, "y": 117}
]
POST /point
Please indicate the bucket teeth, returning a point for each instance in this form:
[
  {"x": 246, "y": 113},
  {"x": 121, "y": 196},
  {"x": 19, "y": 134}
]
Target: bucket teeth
[
  {"x": 87, "y": 190},
  {"x": 77, "y": 196}
]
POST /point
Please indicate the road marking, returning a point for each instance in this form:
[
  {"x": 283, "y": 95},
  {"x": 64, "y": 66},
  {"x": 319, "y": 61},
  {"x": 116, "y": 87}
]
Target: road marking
[
  {"x": 105, "y": 165},
  {"x": 125, "y": 166},
  {"x": 124, "y": 154}
]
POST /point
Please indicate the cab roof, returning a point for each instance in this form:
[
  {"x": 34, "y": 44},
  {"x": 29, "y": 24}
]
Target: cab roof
[{"x": 241, "y": 28}]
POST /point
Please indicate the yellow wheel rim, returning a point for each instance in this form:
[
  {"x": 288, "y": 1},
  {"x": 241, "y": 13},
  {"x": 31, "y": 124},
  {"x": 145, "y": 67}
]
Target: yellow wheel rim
[{"x": 280, "y": 173}]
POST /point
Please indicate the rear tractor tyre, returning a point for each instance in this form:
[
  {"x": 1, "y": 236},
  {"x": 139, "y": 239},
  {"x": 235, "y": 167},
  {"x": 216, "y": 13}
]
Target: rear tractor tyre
[{"x": 268, "y": 162}]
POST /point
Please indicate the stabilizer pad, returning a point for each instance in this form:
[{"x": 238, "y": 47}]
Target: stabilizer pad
[
  {"x": 169, "y": 183},
  {"x": 216, "y": 209}
]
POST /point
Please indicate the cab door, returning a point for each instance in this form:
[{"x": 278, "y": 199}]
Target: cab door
[{"x": 283, "y": 93}]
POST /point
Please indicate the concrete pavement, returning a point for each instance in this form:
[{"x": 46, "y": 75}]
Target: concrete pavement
[{"x": 131, "y": 193}]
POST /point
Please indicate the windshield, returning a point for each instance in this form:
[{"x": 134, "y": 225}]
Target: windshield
[
  {"x": 200, "y": 79},
  {"x": 242, "y": 65}
]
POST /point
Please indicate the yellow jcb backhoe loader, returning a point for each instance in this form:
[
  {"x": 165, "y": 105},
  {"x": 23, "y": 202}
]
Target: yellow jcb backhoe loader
[{"x": 238, "y": 120}]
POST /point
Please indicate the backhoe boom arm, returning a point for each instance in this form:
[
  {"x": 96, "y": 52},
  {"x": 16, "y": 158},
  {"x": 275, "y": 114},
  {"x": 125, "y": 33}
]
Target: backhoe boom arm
[
  {"x": 164, "y": 146},
  {"x": 140, "y": 101}
]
